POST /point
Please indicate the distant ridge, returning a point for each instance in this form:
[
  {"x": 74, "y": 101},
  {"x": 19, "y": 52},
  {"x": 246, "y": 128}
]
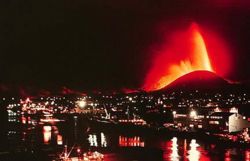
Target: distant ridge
[{"x": 198, "y": 80}]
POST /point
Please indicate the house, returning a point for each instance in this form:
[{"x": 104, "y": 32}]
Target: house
[{"x": 225, "y": 122}]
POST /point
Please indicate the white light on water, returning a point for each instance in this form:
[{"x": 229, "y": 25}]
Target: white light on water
[
  {"x": 174, "y": 148},
  {"x": 194, "y": 154}
]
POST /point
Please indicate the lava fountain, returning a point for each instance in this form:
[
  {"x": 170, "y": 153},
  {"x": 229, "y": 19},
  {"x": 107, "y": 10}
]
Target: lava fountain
[{"x": 184, "y": 53}]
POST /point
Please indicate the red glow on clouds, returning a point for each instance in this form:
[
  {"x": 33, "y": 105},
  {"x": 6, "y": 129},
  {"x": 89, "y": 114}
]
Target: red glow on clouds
[
  {"x": 68, "y": 91},
  {"x": 187, "y": 51},
  {"x": 128, "y": 91}
]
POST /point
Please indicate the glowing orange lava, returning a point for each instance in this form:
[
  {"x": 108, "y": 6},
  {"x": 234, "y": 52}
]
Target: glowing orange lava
[{"x": 185, "y": 53}]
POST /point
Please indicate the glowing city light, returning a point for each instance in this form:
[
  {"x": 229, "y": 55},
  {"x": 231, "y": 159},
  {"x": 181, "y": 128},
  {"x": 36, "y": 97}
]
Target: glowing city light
[
  {"x": 193, "y": 114},
  {"x": 82, "y": 103}
]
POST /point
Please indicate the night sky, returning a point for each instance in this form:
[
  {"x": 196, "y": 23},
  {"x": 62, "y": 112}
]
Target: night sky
[{"x": 104, "y": 44}]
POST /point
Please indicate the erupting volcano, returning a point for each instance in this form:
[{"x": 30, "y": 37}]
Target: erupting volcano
[{"x": 185, "y": 53}]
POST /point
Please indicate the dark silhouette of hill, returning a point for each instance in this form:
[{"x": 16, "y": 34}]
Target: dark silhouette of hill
[{"x": 198, "y": 80}]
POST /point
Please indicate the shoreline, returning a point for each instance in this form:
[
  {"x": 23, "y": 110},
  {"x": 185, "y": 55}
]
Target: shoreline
[{"x": 200, "y": 135}]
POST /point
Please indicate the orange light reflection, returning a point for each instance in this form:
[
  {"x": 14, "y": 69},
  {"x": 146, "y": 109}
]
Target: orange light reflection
[
  {"x": 46, "y": 134},
  {"x": 131, "y": 141}
]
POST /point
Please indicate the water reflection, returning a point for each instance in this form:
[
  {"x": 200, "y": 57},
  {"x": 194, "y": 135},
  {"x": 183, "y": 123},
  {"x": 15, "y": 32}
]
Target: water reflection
[
  {"x": 194, "y": 154},
  {"x": 93, "y": 140},
  {"x": 46, "y": 134},
  {"x": 103, "y": 140},
  {"x": 247, "y": 155},
  {"x": 131, "y": 141},
  {"x": 59, "y": 139},
  {"x": 51, "y": 134},
  {"x": 232, "y": 154},
  {"x": 96, "y": 141},
  {"x": 174, "y": 154},
  {"x": 183, "y": 149}
]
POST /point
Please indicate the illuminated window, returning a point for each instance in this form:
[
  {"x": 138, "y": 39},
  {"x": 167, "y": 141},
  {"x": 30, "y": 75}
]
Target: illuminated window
[
  {"x": 214, "y": 122},
  {"x": 191, "y": 125}
]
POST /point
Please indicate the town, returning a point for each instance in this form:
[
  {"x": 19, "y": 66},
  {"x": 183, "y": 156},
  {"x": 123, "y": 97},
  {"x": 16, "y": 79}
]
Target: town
[{"x": 220, "y": 115}]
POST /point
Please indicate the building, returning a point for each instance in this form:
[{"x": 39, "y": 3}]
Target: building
[
  {"x": 237, "y": 123},
  {"x": 226, "y": 122},
  {"x": 189, "y": 119},
  {"x": 218, "y": 122}
]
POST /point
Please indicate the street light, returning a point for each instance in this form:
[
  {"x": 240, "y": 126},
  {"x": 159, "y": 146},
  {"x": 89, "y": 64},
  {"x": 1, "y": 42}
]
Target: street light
[
  {"x": 82, "y": 103},
  {"x": 174, "y": 114},
  {"x": 193, "y": 114}
]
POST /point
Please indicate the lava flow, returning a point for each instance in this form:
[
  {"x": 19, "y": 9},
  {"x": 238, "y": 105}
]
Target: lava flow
[{"x": 185, "y": 53}]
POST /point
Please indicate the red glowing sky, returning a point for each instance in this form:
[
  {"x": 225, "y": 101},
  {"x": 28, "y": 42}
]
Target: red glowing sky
[{"x": 187, "y": 51}]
